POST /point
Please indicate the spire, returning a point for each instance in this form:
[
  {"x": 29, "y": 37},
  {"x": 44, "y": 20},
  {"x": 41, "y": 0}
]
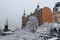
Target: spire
[
  {"x": 37, "y": 8},
  {"x": 24, "y": 12},
  {"x": 6, "y": 21},
  {"x": 38, "y": 5}
]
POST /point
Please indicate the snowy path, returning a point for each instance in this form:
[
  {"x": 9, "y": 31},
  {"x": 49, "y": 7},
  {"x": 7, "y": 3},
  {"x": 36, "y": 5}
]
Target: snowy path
[{"x": 18, "y": 35}]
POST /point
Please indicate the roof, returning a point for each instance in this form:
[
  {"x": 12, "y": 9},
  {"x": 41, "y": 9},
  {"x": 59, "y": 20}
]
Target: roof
[
  {"x": 54, "y": 13},
  {"x": 57, "y": 4}
]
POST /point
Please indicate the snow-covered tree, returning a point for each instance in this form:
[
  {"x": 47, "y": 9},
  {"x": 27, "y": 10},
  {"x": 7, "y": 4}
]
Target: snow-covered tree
[
  {"x": 45, "y": 28},
  {"x": 32, "y": 24}
]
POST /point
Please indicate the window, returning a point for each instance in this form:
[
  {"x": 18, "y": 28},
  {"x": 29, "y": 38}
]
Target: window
[{"x": 55, "y": 18}]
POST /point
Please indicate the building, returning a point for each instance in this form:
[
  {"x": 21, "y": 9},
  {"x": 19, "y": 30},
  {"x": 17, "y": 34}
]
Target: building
[
  {"x": 46, "y": 15},
  {"x": 43, "y": 15},
  {"x": 56, "y": 13},
  {"x": 6, "y": 26},
  {"x": 56, "y": 17},
  {"x": 57, "y": 7}
]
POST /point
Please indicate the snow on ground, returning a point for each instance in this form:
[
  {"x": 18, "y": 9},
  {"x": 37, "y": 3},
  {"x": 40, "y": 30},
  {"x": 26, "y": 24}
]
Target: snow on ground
[
  {"x": 55, "y": 38},
  {"x": 20, "y": 34},
  {"x": 44, "y": 28}
]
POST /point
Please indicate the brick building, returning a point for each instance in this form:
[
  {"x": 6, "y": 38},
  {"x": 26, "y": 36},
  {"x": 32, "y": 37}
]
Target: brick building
[
  {"x": 46, "y": 15},
  {"x": 43, "y": 15}
]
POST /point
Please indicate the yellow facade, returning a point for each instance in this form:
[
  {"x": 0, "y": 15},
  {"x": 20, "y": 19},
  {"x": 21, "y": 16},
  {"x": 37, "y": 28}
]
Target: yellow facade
[{"x": 56, "y": 14}]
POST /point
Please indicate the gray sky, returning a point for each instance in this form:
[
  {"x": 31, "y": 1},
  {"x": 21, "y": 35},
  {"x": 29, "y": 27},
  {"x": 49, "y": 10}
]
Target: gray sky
[{"x": 13, "y": 9}]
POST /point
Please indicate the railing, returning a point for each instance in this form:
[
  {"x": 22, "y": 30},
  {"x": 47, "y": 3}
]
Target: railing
[{"x": 46, "y": 36}]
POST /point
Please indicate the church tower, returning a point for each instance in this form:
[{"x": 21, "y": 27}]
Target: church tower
[
  {"x": 38, "y": 14},
  {"x": 23, "y": 20},
  {"x": 6, "y": 26},
  {"x": 6, "y": 21}
]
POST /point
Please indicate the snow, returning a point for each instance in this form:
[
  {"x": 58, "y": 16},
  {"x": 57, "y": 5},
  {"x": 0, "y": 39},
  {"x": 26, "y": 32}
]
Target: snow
[
  {"x": 45, "y": 28},
  {"x": 55, "y": 24},
  {"x": 32, "y": 24},
  {"x": 20, "y": 34},
  {"x": 55, "y": 38},
  {"x": 9, "y": 32}
]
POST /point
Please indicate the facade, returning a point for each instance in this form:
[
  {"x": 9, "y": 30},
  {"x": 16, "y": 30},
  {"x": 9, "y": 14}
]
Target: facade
[
  {"x": 56, "y": 13},
  {"x": 56, "y": 17},
  {"x": 46, "y": 15},
  {"x": 43, "y": 15}
]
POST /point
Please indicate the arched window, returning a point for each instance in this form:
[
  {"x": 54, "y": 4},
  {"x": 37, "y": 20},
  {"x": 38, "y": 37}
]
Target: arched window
[{"x": 55, "y": 19}]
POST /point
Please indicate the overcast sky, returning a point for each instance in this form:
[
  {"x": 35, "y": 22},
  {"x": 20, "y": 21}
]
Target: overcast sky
[{"x": 13, "y": 9}]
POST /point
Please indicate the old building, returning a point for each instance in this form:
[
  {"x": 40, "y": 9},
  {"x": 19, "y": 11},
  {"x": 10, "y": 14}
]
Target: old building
[
  {"x": 56, "y": 17},
  {"x": 43, "y": 15},
  {"x": 46, "y": 15},
  {"x": 56, "y": 13}
]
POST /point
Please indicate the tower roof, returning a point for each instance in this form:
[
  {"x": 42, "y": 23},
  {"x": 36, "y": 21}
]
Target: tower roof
[
  {"x": 6, "y": 21},
  {"x": 24, "y": 11},
  {"x": 57, "y": 4},
  {"x": 38, "y": 5}
]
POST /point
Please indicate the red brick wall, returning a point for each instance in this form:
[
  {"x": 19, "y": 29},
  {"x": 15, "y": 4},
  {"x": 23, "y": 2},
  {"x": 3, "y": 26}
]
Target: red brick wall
[{"x": 46, "y": 15}]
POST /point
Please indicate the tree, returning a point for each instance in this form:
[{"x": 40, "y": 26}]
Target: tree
[{"x": 32, "y": 24}]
